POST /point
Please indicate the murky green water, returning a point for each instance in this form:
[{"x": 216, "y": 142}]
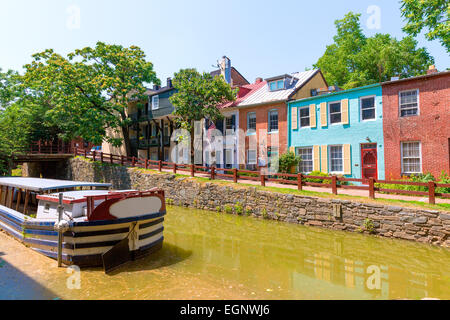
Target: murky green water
[{"x": 216, "y": 256}]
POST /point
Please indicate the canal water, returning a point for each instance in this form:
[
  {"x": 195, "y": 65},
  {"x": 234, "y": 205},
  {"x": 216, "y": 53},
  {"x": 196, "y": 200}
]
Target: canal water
[{"x": 208, "y": 255}]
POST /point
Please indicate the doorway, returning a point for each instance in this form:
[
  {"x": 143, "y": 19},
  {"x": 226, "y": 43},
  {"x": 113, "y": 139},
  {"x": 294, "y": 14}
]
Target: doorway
[{"x": 369, "y": 161}]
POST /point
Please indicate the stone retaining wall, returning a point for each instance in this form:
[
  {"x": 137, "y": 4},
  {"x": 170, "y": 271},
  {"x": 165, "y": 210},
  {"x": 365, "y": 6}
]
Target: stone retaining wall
[{"x": 394, "y": 222}]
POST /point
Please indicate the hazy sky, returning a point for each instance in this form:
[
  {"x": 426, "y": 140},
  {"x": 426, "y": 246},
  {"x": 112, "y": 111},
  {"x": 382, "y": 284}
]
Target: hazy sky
[{"x": 262, "y": 38}]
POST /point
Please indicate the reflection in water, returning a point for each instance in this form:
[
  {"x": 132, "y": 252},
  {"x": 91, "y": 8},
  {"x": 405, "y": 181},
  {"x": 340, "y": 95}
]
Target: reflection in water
[{"x": 216, "y": 256}]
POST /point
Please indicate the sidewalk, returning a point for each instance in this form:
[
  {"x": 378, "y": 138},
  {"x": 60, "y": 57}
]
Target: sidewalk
[{"x": 350, "y": 192}]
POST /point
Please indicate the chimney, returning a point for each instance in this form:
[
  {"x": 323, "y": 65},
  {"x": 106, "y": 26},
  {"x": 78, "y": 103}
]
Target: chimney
[
  {"x": 258, "y": 80},
  {"x": 225, "y": 69},
  {"x": 156, "y": 87},
  {"x": 169, "y": 82},
  {"x": 432, "y": 69}
]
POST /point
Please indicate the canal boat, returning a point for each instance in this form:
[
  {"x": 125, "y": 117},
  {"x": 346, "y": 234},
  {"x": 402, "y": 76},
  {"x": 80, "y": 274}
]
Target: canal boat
[{"x": 82, "y": 223}]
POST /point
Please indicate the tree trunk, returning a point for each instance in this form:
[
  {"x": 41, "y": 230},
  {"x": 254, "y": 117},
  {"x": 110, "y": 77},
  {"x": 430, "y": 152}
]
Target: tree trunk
[
  {"x": 192, "y": 146},
  {"x": 126, "y": 140}
]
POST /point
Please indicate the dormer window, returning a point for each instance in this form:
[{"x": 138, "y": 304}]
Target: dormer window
[{"x": 276, "y": 85}]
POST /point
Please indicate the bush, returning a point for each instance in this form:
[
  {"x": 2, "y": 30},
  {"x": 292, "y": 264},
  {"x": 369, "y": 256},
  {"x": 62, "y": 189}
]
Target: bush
[
  {"x": 287, "y": 161},
  {"x": 444, "y": 178},
  {"x": 320, "y": 174}
]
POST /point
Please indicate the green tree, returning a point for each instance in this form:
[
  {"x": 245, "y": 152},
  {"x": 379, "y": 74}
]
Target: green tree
[
  {"x": 197, "y": 97},
  {"x": 355, "y": 60},
  {"x": 431, "y": 14},
  {"x": 89, "y": 91}
]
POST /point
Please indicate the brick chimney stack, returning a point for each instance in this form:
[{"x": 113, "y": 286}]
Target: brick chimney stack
[{"x": 432, "y": 69}]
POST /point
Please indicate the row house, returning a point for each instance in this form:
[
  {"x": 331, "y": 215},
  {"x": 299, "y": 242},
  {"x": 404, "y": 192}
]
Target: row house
[
  {"x": 153, "y": 122},
  {"x": 417, "y": 124},
  {"x": 339, "y": 132},
  {"x": 263, "y": 114}
]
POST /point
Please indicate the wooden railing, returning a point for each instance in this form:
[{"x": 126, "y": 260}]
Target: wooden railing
[
  {"x": 47, "y": 147},
  {"x": 300, "y": 180}
]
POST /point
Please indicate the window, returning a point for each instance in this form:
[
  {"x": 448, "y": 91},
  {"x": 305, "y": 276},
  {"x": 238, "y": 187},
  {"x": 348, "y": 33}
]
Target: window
[
  {"x": 336, "y": 161},
  {"x": 229, "y": 125},
  {"x": 154, "y": 130},
  {"x": 273, "y": 121},
  {"x": 47, "y": 208},
  {"x": 409, "y": 103},
  {"x": 411, "y": 157},
  {"x": 304, "y": 117},
  {"x": 306, "y": 164},
  {"x": 155, "y": 102},
  {"x": 368, "y": 108},
  {"x": 251, "y": 156},
  {"x": 335, "y": 112},
  {"x": 276, "y": 85},
  {"x": 251, "y": 122}
]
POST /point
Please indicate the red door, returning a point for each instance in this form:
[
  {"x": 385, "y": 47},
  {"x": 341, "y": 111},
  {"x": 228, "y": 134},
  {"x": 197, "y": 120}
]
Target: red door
[{"x": 369, "y": 161}]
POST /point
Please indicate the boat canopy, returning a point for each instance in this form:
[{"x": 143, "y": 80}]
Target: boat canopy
[{"x": 40, "y": 185}]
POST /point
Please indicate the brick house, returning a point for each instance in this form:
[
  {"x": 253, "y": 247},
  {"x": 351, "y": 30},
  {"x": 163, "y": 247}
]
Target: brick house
[
  {"x": 416, "y": 124},
  {"x": 263, "y": 115}
]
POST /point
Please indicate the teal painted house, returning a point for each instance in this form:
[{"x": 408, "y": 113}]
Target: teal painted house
[{"x": 339, "y": 133}]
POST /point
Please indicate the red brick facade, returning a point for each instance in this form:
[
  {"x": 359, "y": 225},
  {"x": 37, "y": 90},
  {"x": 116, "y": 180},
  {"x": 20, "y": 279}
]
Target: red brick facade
[
  {"x": 262, "y": 113},
  {"x": 431, "y": 127}
]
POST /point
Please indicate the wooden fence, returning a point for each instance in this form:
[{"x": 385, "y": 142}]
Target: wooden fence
[{"x": 300, "y": 180}]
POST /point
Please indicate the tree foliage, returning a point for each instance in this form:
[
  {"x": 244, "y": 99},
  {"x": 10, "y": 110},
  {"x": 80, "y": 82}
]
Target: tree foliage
[
  {"x": 88, "y": 91},
  {"x": 355, "y": 60},
  {"x": 198, "y": 96},
  {"x": 287, "y": 161},
  {"x": 433, "y": 15}
]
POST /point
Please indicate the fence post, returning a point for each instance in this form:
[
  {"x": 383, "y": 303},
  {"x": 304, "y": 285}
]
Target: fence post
[
  {"x": 299, "y": 181},
  {"x": 334, "y": 184},
  {"x": 192, "y": 170},
  {"x": 431, "y": 193},
  {"x": 101, "y": 156},
  {"x": 263, "y": 179},
  {"x": 85, "y": 153},
  {"x": 111, "y": 158},
  {"x": 213, "y": 172},
  {"x": 174, "y": 167},
  {"x": 93, "y": 155},
  {"x": 146, "y": 163},
  {"x": 371, "y": 188},
  {"x": 133, "y": 161},
  {"x": 160, "y": 165},
  {"x": 235, "y": 177},
  {"x": 39, "y": 146},
  {"x": 121, "y": 159}
]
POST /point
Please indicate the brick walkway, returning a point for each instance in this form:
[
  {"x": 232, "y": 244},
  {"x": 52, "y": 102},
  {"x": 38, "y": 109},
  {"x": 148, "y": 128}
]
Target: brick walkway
[{"x": 350, "y": 192}]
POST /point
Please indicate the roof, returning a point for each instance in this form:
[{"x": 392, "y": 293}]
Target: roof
[
  {"x": 78, "y": 196},
  {"x": 236, "y": 76},
  {"x": 336, "y": 93},
  {"x": 38, "y": 184},
  {"x": 263, "y": 95},
  {"x": 245, "y": 91},
  {"x": 416, "y": 78}
]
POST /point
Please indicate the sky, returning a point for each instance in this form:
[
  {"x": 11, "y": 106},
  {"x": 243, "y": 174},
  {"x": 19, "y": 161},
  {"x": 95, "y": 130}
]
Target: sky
[{"x": 262, "y": 38}]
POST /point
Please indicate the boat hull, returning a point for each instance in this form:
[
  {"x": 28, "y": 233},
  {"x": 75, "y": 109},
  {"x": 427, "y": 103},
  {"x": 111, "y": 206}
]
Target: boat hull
[{"x": 85, "y": 242}]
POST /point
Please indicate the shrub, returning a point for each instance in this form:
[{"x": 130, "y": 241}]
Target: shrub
[
  {"x": 320, "y": 174},
  {"x": 238, "y": 208},
  {"x": 228, "y": 209},
  {"x": 287, "y": 161},
  {"x": 444, "y": 178}
]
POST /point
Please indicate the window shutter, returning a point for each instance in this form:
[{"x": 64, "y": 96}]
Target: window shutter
[
  {"x": 347, "y": 159},
  {"x": 324, "y": 159},
  {"x": 344, "y": 111},
  {"x": 294, "y": 120},
  {"x": 316, "y": 164},
  {"x": 312, "y": 116},
  {"x": 323, "y": 114}
]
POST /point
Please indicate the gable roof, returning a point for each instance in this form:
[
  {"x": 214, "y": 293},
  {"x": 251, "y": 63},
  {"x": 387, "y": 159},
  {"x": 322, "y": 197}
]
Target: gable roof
[
  {"x": 264, "y": 95},
  {"x": 236, "y": 76}
]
